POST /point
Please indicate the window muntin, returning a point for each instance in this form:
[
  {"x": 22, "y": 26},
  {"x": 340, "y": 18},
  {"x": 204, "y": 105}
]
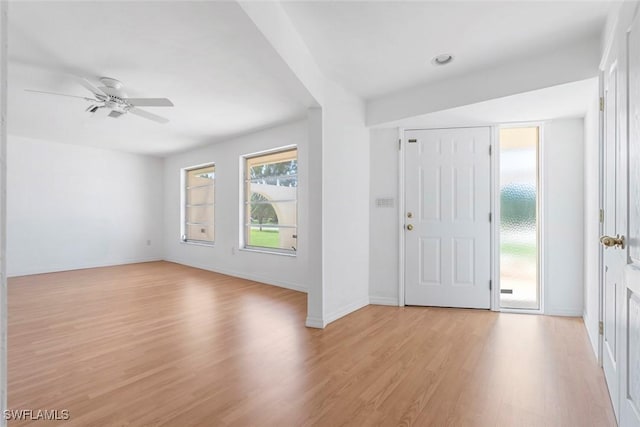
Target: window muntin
[
  {"x": 271, "y": 201},
  {"x": 199, "y": 201}
]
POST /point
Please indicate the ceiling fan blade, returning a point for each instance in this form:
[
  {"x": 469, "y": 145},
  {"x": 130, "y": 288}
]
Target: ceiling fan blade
[
  {"x": 149, "y": 102},
  {"x": 148, "y": 115},
  {"x": 100, "y": 112},
  {"x": 59, "y": 94},
  {"x": 91, "y": 88}
]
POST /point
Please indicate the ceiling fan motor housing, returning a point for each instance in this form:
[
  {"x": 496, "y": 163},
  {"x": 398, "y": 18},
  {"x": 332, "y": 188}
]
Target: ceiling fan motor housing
[{"x": 112, "y": 100}]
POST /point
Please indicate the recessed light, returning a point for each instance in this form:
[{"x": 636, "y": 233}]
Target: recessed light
[{"x": 442, "y": 59}]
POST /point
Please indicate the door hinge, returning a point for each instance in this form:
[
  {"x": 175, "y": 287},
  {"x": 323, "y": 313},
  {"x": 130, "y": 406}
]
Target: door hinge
[
  {"x": 601, "y": 328},
  {"x": 601, "y": 215},
  {"x": 490, "y": 217},
  {"x": 490, "y": 149},
  {"x": 399, "y": 144},
  {"x": 601, "y": 103},
  {"x": 490, "y": 284}
]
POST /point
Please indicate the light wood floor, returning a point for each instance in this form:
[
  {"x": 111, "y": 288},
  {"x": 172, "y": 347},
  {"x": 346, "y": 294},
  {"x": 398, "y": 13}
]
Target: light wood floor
[{"x": 163, "y": 344}]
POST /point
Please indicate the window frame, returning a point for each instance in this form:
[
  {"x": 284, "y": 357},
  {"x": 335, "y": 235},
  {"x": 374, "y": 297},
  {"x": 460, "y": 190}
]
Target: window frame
[
  {"x": 183, "y": 205},
  {"x": 245, "y": 194}
]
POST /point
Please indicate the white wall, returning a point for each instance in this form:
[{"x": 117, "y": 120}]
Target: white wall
[
  {"x": 345, "y": 203},
  {"x": 315, "y": 292},
  {"x": 563, "y": 221},
  {"x": 72, "y": 207},
  {"x": 592, "y": 220},
  {"x": 384, "y": 228},
  {"x": 563, "y": 204},
  {"x": 345, "y": 171},
  {"x": 562, "y": 64},
  {"x": 225, "y": 255}
]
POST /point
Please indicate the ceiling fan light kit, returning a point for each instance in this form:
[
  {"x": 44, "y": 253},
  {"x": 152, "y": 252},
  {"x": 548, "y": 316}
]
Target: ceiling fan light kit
[{"x": 112, "y": 101}]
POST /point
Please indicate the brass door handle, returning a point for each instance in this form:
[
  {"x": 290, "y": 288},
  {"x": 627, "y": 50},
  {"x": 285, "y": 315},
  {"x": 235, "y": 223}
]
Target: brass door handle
[
  {"x": 409, "y": 227},
  {"x": 609, "y": 242}
]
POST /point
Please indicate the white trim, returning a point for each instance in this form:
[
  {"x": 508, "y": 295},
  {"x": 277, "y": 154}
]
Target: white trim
[
  {"x": 520, "y": 311},
  {"x": 260, "y": 250},
  {"x": 197, "y": 243},
  {"x": 315, "y": 322},
  {"x": 252, "y": 277},
  {"x": 627, "y": 10},
  {"x": 373, "y": 300},
  {"x": 542, "y": 215},
  {"x": 610, "y": 36},
  {"x": 269, "y": 151},
  {"x": 58, "y": 268},
  {"x": 401, "y": 212},
  {"x": 495, "y": 219},
  {"x": 568, "y": 312},
  {"x": 594, "y": 343},
  {"x": 347, "y": 309},
  {"x": 565, "y": 312},
  {"x": 601, "y": 222}
]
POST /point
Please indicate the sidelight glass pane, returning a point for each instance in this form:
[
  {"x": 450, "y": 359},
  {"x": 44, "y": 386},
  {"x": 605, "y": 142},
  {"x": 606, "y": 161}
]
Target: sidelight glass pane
[{"x": 519, "y": 286}]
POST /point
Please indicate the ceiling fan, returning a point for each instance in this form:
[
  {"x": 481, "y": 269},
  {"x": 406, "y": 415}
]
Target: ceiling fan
[{"x": 111, "y": 100}]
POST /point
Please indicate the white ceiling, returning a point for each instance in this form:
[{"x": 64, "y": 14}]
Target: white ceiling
[
  {"x": 207, "y": 57},
  {"x": 375, "y": 48},
  {"x": 562, "y": 101},
  {"x": 225, "y": 79}
]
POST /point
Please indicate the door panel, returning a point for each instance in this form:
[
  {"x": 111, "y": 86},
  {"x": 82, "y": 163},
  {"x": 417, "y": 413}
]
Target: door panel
[
  {"x": 447, "y": 194},
  {"x": 630, "y": 338},
  {"x": 633, "y": 326}
]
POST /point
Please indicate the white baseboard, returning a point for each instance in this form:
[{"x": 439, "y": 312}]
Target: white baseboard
[
  {"x": 347, "y": 309},
  {"x": 593, "y": 335},
  {"x": 383, "y": 300},
  {"x": 253, "y": 277},
  {"x": 315, "y": 322},
  {"x": 567, "y": 312},
  {"x": 59, "y": 268}
]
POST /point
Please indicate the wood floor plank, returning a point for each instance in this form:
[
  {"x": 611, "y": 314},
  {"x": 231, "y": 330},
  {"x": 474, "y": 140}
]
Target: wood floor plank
[{"x": 161, "y": 344}]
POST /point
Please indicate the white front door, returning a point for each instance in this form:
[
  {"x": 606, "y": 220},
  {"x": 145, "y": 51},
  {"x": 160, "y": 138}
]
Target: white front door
[
  {"x": 447, "y": 217},
  {"x": 614, "y": 221}
]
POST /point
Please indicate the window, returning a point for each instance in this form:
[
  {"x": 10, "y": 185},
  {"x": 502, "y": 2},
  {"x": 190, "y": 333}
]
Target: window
[
  {"x": 198, "y": 199},
  {"x": 519, "y": 219},
  {"x": 271, "y": 201}
]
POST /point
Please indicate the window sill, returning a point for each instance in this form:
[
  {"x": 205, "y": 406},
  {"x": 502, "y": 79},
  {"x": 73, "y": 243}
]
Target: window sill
[
  {"x": 186, "y": 242},
  {"x": 267, "y": 251}
]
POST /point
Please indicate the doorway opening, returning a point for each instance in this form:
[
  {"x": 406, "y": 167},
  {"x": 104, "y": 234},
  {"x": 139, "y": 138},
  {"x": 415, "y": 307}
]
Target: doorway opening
[{"x": 519, "y": 218}]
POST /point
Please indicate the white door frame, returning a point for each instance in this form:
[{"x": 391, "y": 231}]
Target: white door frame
[
  {"x": 495, "y": 209},
  {"x": 601, "y": 217}
]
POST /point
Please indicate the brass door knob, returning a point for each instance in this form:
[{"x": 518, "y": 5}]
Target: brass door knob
[
  {"x": 409, "y": 227},
  {"x": 611, "y": 242}
]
